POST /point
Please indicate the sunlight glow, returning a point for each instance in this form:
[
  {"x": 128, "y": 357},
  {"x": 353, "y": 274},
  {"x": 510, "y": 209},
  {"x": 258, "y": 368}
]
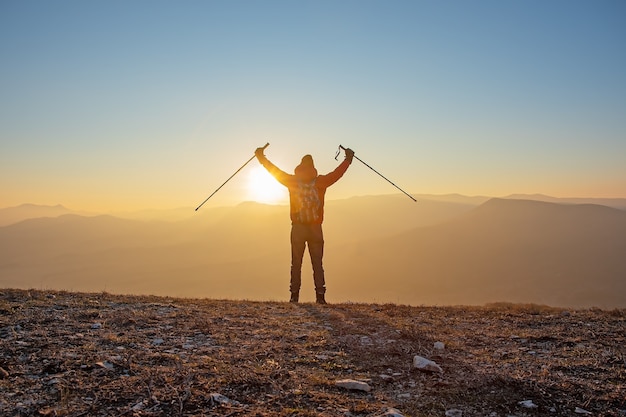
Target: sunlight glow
[{"x": 264, "y": 188}]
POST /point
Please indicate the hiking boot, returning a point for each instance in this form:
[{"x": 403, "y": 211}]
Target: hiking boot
[
  {"x": 319, "y": 299},
  {"x": 295, "y": 297}
]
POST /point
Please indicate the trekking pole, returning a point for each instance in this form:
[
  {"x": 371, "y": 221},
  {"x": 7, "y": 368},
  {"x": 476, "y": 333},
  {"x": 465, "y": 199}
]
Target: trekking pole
[
  {"x": 364, "y": 163},
  {"x": 218, "y": 188}
]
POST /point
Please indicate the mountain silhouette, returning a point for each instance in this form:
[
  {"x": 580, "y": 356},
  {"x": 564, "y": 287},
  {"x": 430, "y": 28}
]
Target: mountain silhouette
[
  {"x": 379, "y": 249},
  {"x": 10, "y": 215},
  {"x": 504, "y": 250}
]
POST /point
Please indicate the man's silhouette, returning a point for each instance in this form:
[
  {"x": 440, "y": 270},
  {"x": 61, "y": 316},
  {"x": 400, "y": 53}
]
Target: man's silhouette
[{"x": 306, "y": 201}]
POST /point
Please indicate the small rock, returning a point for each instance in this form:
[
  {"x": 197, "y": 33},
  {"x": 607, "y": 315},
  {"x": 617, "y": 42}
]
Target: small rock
[
  {"x": 404, "y": 396},
  {"x": 392, "y": 412},
  {"x": 579, "y": 410},
  {"x": 219, "y": 399},
  {"x": 139, "y": 406},
  {"x": 105, "y": 365},
  {"x": 96, "y": 326},
  {"x": 158, "y": 341},
  {"x": 353, "y": 384},
  {"x": 454, "y": 412},
  {"x": 366, "y": 341},
  {"x": 527, "y": 404},
  {"x": 439, "y": 346},
  {"x": 424, "y": 364}
]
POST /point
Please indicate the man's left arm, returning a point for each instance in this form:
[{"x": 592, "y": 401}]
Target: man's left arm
[{"x": 334, "y": 176}]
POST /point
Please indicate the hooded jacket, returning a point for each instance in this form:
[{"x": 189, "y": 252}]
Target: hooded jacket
[{"x": 306, "y": 188}]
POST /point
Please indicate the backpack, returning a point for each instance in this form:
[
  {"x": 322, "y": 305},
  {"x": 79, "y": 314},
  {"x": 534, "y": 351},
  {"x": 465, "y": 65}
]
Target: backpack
[{"x": 307, "y": 203}]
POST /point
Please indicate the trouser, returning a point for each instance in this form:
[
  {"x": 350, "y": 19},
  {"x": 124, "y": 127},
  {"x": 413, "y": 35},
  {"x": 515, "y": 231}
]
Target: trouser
[{"x": 301, "y": 235}]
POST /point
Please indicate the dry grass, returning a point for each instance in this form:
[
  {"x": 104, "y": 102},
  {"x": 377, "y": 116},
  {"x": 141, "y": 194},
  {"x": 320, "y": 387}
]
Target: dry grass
[{"x": 69, "y": 354}]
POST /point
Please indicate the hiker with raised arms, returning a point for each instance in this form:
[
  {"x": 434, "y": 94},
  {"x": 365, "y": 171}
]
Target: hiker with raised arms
[{"x": 306, "y": 201}]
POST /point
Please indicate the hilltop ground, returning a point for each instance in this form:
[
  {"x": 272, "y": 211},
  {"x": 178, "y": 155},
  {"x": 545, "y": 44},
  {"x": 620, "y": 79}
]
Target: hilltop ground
[{"x": 71, "y": 354}]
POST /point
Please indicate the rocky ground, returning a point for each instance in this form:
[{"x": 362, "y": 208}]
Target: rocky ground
[{"x": 69, "y": 354}]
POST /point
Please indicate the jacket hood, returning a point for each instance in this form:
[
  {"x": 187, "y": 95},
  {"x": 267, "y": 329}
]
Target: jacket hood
[{"x": 306, "y": 170}]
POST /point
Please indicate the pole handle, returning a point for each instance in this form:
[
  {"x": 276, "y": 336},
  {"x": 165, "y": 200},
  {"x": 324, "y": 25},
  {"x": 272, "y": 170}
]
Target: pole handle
[{"x": 339, "y": 151}]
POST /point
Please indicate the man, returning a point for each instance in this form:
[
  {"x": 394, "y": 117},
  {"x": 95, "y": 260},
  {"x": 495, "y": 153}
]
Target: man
[{"x": 306, "y": 201}]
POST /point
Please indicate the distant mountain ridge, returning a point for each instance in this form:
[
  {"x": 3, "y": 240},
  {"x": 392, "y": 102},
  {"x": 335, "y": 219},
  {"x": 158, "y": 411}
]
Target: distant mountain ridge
[
  {"x": 513, "y": 250},
  {"x": 10, "y": 215},
  {"x": 618, "y": 203},
  {"x": 16, "y": 214},
  {"x": 379, "y": 249}
]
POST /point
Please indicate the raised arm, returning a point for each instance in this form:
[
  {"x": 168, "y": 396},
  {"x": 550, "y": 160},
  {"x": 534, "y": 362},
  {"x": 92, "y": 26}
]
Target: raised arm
[
  {"x": 334, "y": 176},
  {"x": 280, "y": 175}
]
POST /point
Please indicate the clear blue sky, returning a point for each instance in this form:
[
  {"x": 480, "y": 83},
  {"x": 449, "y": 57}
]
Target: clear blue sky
[{"x": 153, "y": 104}]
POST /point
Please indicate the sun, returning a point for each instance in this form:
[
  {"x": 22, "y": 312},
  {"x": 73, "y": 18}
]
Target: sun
[{"x": 264, "y": 188}]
